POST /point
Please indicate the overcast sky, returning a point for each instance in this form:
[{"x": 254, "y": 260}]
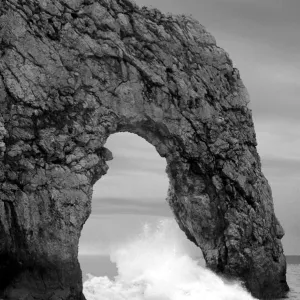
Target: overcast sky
[{"x": 262, "y": 38}]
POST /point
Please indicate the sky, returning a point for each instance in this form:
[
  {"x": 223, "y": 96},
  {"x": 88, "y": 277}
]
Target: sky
[{"x": 262, "y": 38}]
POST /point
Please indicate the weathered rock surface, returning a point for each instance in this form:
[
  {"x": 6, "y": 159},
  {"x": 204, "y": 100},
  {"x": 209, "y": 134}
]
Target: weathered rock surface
[{"x": 74, "y": 72}]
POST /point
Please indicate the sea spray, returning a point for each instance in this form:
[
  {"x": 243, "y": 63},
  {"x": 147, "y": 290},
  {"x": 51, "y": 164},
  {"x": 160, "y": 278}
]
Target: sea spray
[{"x": 159, "y": 264}]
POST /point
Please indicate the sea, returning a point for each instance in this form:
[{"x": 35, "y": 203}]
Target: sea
[{"x": 159, "y": 264}]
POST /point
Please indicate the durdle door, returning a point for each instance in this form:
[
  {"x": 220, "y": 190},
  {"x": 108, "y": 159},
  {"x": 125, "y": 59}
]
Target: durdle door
[{"x": 72, "y": 72}]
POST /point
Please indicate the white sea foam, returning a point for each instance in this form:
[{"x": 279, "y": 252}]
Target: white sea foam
[{"x": 158, "y": 265}]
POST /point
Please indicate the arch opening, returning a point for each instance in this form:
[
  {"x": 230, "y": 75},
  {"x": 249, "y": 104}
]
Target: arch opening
[{"x": 130, "y": 211}]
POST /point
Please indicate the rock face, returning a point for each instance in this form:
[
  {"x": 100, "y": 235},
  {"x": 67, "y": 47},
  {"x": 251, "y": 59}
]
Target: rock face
[{"x": 73, "y": 72}]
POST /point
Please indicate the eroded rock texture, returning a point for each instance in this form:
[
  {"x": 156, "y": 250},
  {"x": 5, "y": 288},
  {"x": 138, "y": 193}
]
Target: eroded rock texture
[{"x": 75, "y": 71}]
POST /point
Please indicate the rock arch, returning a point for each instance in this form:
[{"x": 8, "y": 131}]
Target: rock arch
[{"x": 74, "y": 72}]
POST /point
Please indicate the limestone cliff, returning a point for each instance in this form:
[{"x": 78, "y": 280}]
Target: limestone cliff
[{"x": 72, "y": 72}]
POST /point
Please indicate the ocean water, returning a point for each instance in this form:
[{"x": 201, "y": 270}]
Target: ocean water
[
  {"x": 159, "y": 264},
  {"x": 293, "y": 279}
]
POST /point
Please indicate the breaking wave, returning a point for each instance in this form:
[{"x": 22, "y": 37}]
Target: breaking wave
[{"x": 159, "y": 264}]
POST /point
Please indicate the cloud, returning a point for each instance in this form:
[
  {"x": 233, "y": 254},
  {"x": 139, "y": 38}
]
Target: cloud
[
  {"x": 278, "y": 145},
  {"x": 133, "y": 154},
  {"x": 111, "y": 206},
  {"x": 134, "y": 185},
  {"x": 92, "y": 249},
  {"x": 278, "y": 139},
  {"x": 282, "y": 168},
  {"x": 126, "y": 140},
  {"x": 128, "y": 162},
  {"x": 102, "y": 233},
  {"x": 136, "y": 172}
]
